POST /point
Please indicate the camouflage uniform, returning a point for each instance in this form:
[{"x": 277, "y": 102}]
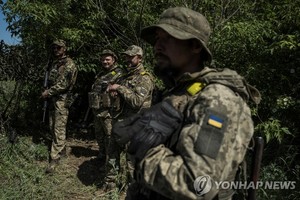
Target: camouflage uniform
[
  {"x": 135, "y": 92},
  {"x": 105, "y": 110},
  {"x": 216, "y": 125},
  {"x": 62, "y": 78},
  {"x": 200, "y": 147}
]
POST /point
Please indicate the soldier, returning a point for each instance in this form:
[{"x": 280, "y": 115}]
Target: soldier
[
  {"x": 103, "y": 105},
  {"x": 62, "y": 77},
  {"x": 199, "y": 132},
  {"x": 135, "y": 92}
]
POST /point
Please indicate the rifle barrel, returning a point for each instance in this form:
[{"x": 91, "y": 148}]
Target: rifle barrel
[
  {"x": 46, "y": 85},
  {"x": 45, "y": 110},
  {"x": 256, "y": 162},
  {"x": 46, "y": 80}
]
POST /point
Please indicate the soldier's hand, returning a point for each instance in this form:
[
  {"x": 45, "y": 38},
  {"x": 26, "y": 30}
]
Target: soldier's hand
[
  {"x": 112, "y": 88},
  {"x": 113, "y": 94},
  {"x": 154, "y": 127},
  {"x": 124, "y": 130}
]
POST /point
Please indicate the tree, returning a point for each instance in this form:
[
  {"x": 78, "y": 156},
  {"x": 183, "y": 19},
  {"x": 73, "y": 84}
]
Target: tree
[{"x": 259, "y": 39}]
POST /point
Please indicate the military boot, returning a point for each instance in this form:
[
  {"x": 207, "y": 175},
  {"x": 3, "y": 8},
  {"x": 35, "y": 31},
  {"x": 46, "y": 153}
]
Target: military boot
[
  {"x": 111, "y": 181},
  {"x": 63, "y": 153},
  {"x": 108, "y": 186},
  {"x": 52, "y": 165}
]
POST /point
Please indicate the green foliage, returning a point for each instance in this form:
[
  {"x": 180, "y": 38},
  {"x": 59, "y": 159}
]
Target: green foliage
[
  {"x": 259, "y": 39},
  {"x": 283, "y": 168},
  {"x": 6, "y": 95},
  {"x": 272, "y": 129},
  {"x": 22, "y": 175},
  {"x": 17, "y": 173}
]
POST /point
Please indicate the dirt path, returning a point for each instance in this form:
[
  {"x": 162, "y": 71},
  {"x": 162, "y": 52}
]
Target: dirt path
[{"x": 81, "y": 172}]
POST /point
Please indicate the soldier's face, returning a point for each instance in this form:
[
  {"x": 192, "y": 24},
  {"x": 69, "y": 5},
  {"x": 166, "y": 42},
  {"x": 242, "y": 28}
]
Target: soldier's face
[
  {"x": 172, "y": 53},
  {"x": 132, "y": 61},
  {"x": 107, "y": 61},
  {"x": 58, "y": 51}
]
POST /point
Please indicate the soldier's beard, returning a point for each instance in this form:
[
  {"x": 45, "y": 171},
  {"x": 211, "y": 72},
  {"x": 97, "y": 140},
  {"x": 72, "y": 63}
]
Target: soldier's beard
[
  {"x": 165, "y": 70},
  {"x": 131, "y": 65},
  {"x": 166, "y": 74}
]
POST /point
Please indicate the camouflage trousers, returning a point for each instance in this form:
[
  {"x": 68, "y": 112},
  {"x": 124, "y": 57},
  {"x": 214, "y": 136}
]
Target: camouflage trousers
[
  {"x": 58, "y": 117},
  {"x": 107, "y": 145}
]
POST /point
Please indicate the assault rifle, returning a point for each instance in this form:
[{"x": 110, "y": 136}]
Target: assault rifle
[
  {"x": 102, "y": 87},
  {"x": 256, "y": 162},
  {"x": 99, "y": 88},
  {"x": 45, "y": 86}
]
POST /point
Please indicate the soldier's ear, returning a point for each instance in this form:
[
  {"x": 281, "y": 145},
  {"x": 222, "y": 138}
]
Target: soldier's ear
[{"x": 196, "y": 46}]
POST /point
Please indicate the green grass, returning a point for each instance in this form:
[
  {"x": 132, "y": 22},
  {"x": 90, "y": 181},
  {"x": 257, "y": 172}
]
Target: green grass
[{"x": 22, "y": 175}]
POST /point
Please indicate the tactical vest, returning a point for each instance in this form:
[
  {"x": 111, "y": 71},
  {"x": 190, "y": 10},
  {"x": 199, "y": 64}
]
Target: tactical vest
[
  {"x": 98, "y": 97},
  {"x": 57, "y": 70}
]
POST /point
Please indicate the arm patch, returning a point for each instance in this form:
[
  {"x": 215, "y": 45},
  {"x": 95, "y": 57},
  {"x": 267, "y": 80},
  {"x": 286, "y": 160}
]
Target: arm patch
[{"x": 211, "y": 134}]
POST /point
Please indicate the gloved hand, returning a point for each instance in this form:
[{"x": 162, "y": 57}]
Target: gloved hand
[
  {"x": 124, "y": 130},
  {"x": 154, "y": 127}
]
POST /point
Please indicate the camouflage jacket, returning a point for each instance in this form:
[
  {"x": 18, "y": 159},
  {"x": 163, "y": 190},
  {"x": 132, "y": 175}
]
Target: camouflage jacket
[
  {"x": 62, "y": 77},
  {"x": 114, "y": 75},
  {"x": 111, "y": 76},
  {"x": 212, "y": 140},
  {"x": 136, "y": 91}
]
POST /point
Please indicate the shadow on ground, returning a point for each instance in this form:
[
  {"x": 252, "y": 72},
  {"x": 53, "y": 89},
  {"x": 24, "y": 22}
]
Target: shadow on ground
[
  {"x": 79, "y": 151},
  {"x": 91, "y": 172}
]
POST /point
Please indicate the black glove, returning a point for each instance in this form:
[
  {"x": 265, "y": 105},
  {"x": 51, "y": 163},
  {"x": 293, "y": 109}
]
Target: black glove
[
  {"x": 154, "y": 127},
  {"x": 124, "y": 130}
]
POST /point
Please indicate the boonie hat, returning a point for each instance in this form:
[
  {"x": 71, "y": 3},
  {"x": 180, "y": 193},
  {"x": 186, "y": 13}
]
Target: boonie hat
[
  {"x": 134, "y": 50},
  {"x": 109, "y": 52},
  {"x": 183, "y": 24},
  {"x": 60, "y": 43}
]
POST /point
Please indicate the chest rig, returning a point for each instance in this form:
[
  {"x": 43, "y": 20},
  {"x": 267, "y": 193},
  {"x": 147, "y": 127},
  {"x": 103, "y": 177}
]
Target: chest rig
[
  {"x": 99, "y": 98},
  {"x": 57, "y": 70}
]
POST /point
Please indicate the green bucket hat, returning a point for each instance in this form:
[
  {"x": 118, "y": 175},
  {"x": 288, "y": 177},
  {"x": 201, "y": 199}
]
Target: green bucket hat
[
  {"x": 60, "y": 43},
  {"x": 183, "y": 24}
]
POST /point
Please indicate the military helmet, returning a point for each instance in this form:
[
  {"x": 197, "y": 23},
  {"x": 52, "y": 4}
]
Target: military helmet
[
  {"x": 134, "y": 50},
  {"x": 109, "y": 52},
  {"x": 60, "y": 43},
  {"x": 183, "y": 24}
]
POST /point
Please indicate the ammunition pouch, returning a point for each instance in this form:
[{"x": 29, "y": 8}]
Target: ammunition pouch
[
  {"x": 94, "y": 100},
  {"x": 97, "y": 100},
  {"x": 105, "y": 100}
]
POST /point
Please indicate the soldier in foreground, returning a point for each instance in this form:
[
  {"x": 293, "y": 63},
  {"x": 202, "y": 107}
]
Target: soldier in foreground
[
  {"x": 135, "y": 92},
  {"x": 203, "y": 125},
  {"x": 104, "y": 106},
  {"x": 62, "y": 78}
]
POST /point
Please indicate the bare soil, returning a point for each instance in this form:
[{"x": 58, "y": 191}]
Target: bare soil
[{"x": 82, "y": 170}]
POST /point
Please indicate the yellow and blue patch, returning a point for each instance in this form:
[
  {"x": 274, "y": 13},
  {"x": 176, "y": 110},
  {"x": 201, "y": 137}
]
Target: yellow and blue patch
[{"x": 215, "y": 121}]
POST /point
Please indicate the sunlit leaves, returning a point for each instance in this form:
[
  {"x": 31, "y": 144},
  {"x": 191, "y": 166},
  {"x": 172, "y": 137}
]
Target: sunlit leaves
[{"x": 272, "y": 129}]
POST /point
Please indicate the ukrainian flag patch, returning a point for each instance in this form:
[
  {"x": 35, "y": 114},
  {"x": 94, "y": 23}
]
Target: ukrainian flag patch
[{"x": 215, "y": 121}]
